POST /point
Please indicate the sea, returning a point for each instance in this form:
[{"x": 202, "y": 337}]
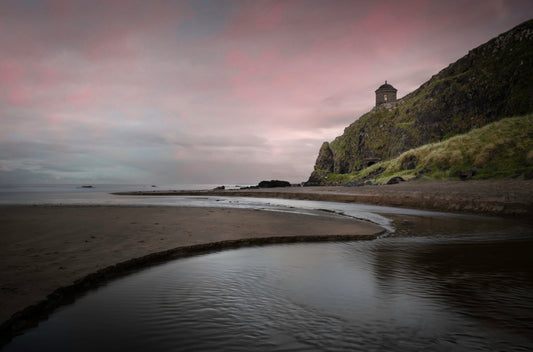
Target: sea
[{"x": 85, "y": 194}]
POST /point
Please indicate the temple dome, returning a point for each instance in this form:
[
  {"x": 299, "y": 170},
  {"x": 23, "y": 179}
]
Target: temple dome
[{"x": 386, "y": 86}]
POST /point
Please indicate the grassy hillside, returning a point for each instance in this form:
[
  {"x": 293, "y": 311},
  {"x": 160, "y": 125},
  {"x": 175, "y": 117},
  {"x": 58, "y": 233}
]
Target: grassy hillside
[
  {"x": 491, "y": 82},
  {"x": 500, "y": 149}
]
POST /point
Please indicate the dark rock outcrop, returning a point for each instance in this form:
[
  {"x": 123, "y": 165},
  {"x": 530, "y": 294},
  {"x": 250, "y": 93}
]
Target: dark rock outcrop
[
  {"x": 395, "y": 180},
  {"x": 323, "y": 165},
  {"x": 325, "y": 158},
  {"x": 273, "y": 184},
  {"x": 466, "y": 174}
]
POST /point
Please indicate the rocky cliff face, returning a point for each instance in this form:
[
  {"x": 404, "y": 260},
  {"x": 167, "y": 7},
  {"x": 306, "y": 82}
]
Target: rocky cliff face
[{"x": 491, "y": 82}]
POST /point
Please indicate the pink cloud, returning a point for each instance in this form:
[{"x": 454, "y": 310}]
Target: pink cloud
[
  {"x": 12, "y": 75},
  {"x": 84, "y": 95},
  {"x": 48, "y": 76},
  {"x": 19, "y": 95},
  {"x": 11, "y": 72},
  {"x": 255, "y": 75},
  {"x": 271, "y": 18}
]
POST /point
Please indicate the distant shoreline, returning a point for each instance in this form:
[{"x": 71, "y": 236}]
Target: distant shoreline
[{"x": 490, "y": 197}]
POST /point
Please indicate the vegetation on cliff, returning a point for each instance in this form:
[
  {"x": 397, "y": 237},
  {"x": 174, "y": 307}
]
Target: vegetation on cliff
[
  {"x": 490, "y": 83},
  {"x": 500, "y": 149}
]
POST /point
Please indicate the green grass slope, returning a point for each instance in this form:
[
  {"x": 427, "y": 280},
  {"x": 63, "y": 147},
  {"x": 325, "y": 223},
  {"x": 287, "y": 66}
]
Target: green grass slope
[{"x": 500, "y": 149}]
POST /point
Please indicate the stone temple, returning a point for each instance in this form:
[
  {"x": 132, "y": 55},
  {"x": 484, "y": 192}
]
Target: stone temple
[{"x": 386, "y": 94}]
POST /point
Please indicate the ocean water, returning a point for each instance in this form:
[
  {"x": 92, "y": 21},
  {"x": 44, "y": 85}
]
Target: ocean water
[{"x": 71, "y": 194}]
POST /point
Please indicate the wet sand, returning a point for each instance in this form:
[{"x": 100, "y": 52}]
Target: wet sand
[
  {"x": 43, "y": 248},
  {"x": 492, "y": 197}
]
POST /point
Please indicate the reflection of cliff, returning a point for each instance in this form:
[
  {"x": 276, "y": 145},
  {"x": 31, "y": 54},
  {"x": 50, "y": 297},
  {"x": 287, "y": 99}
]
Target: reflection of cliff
[
  {"x": 492, "y": 82},
  {"x": 478, "y": 271}
]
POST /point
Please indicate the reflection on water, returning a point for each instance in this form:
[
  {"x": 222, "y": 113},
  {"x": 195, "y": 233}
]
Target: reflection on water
[{"x": 437, "y": 284}]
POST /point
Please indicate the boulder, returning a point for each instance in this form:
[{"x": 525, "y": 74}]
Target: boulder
[
  {"x": 465, "y": 175},
  {"x": 395, "y": 179},
  {"x": 424, "y": 171},
  {"x": 273, "y": 183}
]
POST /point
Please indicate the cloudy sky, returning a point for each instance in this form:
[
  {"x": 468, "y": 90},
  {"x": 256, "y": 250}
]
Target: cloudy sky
[{"x": 211, "y": 91}]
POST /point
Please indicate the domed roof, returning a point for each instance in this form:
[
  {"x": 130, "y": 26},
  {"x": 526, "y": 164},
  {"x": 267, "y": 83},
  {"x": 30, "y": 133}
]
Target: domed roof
[{"x": 386, "y": 86}]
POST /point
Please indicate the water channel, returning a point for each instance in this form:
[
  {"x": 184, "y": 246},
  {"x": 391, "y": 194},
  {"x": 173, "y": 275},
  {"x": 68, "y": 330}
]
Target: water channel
[{"x": 437, "y": 283}]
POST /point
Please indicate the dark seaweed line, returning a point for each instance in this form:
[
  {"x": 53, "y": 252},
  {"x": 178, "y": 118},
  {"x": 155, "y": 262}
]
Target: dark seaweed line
[{"x": 32, "y": 315}]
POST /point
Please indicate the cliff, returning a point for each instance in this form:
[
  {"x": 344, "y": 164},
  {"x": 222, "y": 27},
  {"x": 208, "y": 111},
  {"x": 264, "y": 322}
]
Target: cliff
[{"x": 491, "y": 82}]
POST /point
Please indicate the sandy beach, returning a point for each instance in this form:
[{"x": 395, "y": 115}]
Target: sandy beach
[
  {"x": 43, "y": 248},
  {"x": 48, "y": 254},
  {"x": 508, "y": 197}
]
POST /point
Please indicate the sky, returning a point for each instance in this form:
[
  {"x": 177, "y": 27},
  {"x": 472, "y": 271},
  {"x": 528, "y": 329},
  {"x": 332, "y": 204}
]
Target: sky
[{"x": 211, "y": 91}]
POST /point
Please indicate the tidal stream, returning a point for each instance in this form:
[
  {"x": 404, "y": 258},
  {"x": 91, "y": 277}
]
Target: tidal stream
[{"x": 444, "y": 283}]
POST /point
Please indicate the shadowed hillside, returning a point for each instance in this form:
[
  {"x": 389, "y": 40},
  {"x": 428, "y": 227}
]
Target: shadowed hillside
[
  {"x": 491, "y": 82},
  {"x": 500, "y": 149}
]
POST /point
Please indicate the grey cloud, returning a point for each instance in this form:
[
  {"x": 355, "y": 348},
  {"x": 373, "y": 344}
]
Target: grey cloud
[
  {"x": 222, "y": 140},
  {"x": 21, "y": 176}
]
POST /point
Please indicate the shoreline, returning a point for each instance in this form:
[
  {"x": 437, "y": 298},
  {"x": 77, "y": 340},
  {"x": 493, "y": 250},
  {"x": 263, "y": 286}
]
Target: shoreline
[
  {"x": 51, "y": 254},
  {"x": 512, "y": 198}
]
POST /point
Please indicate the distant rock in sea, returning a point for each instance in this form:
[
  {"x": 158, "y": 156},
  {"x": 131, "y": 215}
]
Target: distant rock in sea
[{"x": 273, "y": 183}]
